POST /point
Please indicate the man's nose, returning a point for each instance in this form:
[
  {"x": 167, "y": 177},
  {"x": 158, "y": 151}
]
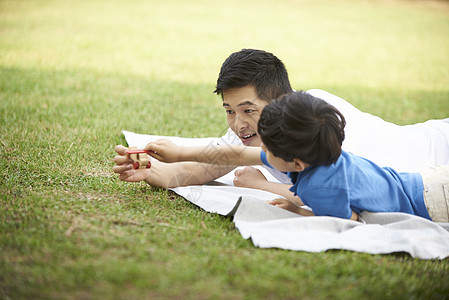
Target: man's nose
[{"x": 240, "y": 123}]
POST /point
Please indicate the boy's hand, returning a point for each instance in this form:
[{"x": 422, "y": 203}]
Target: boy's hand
[
  {"x": 165, "y": 151},
  {"x": 249, "y": 177},
  {"x": 291, "y": 206},
  {"x": 124, "y": 167},
  {"x": 286, "y": 204}
]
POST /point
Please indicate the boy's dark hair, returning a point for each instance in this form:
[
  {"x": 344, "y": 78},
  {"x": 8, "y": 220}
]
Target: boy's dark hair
[
  {"x": 259, "y": 68},
  {"x": 302, "y": 126}
]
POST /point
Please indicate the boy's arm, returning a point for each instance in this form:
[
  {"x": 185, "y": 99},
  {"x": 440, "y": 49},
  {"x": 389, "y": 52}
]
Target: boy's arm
[
  {"x": 293, "y": 207},
  {"x": 354, "y": 216},
  {"x": 253, "y": 178},
  {"x": 225, "y": 155},
  {"x": 283, "y": 190}
]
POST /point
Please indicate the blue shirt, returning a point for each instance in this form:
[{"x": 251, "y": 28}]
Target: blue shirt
[{"x": 356, "y": 184}]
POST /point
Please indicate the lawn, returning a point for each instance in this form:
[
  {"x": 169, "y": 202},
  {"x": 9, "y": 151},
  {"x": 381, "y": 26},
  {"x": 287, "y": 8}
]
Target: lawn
[{"x": 73, "y": 74}]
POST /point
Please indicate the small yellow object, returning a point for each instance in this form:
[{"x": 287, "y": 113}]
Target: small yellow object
[{"x": 141, "y": 160}]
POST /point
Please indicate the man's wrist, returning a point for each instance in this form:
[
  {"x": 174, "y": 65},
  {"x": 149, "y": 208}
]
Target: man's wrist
[{"x": 185, "y": 154}]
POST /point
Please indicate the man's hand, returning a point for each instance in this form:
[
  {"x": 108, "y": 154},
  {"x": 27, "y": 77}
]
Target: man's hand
[
  {"x": 124, "y": 167},
  {"x": 249, "y": 177},
  {"x": 165, "y": 151}
]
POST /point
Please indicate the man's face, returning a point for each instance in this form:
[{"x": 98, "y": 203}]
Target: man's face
[{"x": 243, "y": 109}]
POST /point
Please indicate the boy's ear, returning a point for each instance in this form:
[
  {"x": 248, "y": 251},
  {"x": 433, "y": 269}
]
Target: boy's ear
[{"x": 299, "y": 165}]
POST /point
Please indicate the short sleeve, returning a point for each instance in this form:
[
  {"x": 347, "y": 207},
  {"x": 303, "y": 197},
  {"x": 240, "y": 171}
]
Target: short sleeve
[
  {"x": 263, "y": 158},
  {"x": 230, "y": 138}
]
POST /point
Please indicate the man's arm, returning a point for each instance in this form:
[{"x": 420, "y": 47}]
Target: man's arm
[
  {"x": 184, "y": 173},
  {"x": 166, "y": 175},
  {"x": 224, "y": 155}
]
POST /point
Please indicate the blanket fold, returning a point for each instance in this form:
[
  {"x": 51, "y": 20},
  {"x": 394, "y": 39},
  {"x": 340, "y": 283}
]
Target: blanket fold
[{"x": 272, "y": 227}]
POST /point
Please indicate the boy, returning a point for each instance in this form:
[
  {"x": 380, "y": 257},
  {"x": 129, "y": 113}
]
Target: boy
[{"x": 302, "y": 135}]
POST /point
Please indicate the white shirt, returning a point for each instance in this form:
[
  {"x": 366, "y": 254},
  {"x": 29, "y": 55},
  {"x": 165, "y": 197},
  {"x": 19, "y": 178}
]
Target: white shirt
[{"x": 409, "y": 148}]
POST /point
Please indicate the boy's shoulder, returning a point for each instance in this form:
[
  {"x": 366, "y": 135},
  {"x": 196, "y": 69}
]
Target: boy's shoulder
[{"x": 332, "y": 174}]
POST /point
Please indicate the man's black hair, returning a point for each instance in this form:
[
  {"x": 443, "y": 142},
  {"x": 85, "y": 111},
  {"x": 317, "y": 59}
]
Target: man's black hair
[
  {"x": 302, "y": 126},
  {"x": 258, "y": 68}
]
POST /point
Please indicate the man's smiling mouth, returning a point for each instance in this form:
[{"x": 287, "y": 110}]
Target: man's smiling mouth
[{"x": 247, "y": 136}]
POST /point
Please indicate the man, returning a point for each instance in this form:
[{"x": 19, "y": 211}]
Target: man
[{"x": 248, "y": 80}]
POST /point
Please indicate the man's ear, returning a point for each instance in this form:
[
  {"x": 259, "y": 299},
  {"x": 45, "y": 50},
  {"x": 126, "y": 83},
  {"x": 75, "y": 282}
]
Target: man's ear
[{"x": 299, "y": 165}]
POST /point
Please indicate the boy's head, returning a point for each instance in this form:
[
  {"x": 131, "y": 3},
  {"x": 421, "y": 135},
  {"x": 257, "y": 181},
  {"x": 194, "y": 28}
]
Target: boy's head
[
  {"x": 257, "y": 68},
  {"x": 304, "y": 127}
]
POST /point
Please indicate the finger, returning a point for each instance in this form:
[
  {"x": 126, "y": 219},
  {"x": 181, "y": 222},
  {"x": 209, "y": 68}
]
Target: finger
[
  {"x": 122, "y": 159},
  {"x": 120, "y": 169},
  {"x": 156, "y": 156},
  {"x": 154, "y": 147},
  {"x": 127, "y": 174},
  {"x": 156, "y": 143},
  {"x": 252, "y": 170},
  {"x": 123, "y": 177},
  {"x": 237, "y": 173},
  {"x": 276, "y": 201},
  {"x": 248, "y": 168},
  {"x": 148, "y": 146},
  {"x": 120, "y": 149}
]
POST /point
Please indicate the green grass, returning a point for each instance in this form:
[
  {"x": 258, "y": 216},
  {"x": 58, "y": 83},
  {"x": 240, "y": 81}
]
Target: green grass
[{"x": 73, "y": 74}]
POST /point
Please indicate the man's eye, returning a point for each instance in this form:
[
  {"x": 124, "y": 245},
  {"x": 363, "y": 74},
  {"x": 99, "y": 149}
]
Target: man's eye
[
  {"x": 229, "y": 112},
  {"x": 248, "y": 111}
]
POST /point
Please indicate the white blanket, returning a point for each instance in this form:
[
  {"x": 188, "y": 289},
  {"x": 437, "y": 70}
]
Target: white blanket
[{"x": 271, "y": 227}]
